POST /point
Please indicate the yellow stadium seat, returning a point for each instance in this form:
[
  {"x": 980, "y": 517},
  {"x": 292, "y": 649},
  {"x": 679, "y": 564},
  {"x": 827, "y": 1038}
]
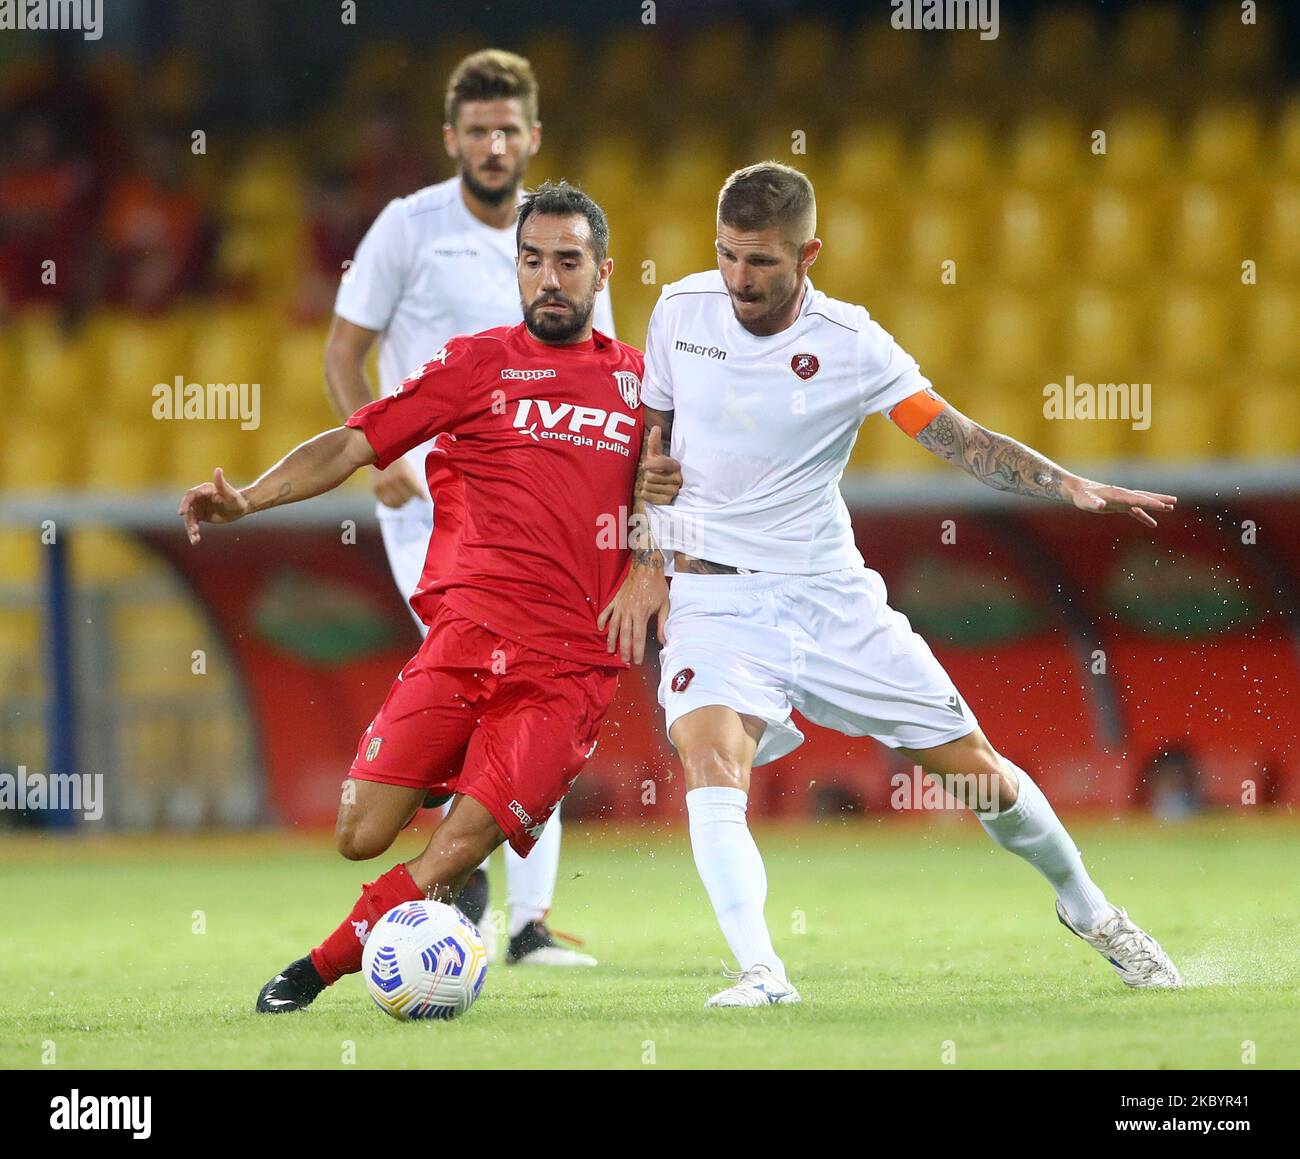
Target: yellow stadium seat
[
  {"x": 1079, "y": 442},
  {"x": 1188, "y": 421},
  {"x": 931, "y": 327},
  {"x": 298, "y": 381},
  {"x": 20, "y": 558},
  {"x": 53, "y": 374},
  {"x": 1226, "y": 142},
  {"x": 105, "y": 555},
  {"x": 1012, "y": 338},
  {"x": 629, "y": 68},
  {"x": 1192, "y": 332},
  {"x": 1207, "y": 241},
  {"x": 957, "y": 156},
  {"x": 1273, "y": 330},
  {"x": 939, "y": 230},
  {"x": 266, "y": 188},
  {"x": 693, "y": 170},
  {"x": 1139, "y": 147},
  {"x": 971, "y": 66},
  {"x": 858, "y": 235},
  {"x": 195, "y": 449},
  {"x": 680, "y": 241},
  {"x": 1102, "y": 330},
  {"x": 870, "y": 157},
  {"x": 1281, "y": 239},
  {"x": 1048, "y": 151},
  {"x": 125, "y": 457},
  {"x": 613, "y": 170},
  {"x": 140, "y": 353},
  {"x": 1265, "y": 415},
  {"x": 1030, "y": 237},
  {"x": 44, "y": 455},
  {"x": 1118, "y": 235},
  {"x": 233, "y": 345}
]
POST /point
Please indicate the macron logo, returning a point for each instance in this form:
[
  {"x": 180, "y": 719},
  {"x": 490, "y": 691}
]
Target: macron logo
[{"x": 527, "y": 375}]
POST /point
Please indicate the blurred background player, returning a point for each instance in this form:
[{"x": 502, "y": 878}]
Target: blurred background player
[
  {"x": 773, "y": 606},
  {"x": 435, "y": 264}
]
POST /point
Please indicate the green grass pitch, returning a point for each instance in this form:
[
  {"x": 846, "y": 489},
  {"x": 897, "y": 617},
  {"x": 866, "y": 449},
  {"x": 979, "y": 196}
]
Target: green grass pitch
[{"x": 915, "y": 944}]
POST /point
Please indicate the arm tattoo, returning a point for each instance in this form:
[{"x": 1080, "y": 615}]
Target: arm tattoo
[{"x": 993, "y": 459}]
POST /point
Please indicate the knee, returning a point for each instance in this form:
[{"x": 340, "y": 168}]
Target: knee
[
  {"x": 709, "y": 763},
  {"x": 359, "y": 843}
]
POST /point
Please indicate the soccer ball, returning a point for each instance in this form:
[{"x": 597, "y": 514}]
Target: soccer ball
[{"x": 424, "y": 959}]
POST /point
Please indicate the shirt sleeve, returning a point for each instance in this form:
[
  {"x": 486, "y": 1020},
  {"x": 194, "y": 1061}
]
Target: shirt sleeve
[
  {"x": 438, "y": 397},
  {"x": 603, "y": 314},
  {"x": 887, "y": 374},
  {"x": 657, "y": 382},
  {"x": 373, "y": 284}
]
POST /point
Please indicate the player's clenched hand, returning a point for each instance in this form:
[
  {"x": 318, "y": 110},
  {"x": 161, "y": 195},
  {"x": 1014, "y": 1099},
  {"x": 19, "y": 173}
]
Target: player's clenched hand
[
  {"x": 1106, "y": 500},
  {"x": 215, "y": 502},
  {"x": 395, "y": 484},
  {"x": 660, "y": 477},
  {"x": 643, "y": 594}
]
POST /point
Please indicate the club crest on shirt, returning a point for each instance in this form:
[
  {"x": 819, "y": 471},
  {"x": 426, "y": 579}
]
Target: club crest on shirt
[
  {"x": 629, "y": 386},
  {"x": 805, "y": 365},
  {"x": 372, "y": 749},
  {"x": 682, "y": 681}
]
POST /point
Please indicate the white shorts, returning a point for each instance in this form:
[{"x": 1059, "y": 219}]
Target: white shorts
[
  {"x": 406, "y": 542},
  {"x": 827, "y": 644}
]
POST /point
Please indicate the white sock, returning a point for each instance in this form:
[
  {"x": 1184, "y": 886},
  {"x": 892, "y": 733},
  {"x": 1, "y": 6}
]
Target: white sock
[
  {"x": 530, "y": 881},
  {"x": 1030, "y": 829},
  {"x": 732, "y": 871}
]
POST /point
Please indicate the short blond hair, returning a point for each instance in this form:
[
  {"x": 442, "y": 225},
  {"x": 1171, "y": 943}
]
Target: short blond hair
[{"x": 489, "y": 75}]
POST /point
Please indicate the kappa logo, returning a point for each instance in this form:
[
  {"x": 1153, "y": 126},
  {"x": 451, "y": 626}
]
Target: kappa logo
[
  {"x": 805, "y": 365},
  {"x": 526, "y": 375},
  {"x": 362, "y": 930},
  {"x": 682, "y": 681},
  {"x": 518, "y": 810},
  {"x": 629, "y": 386},
  {"x": 372, "y": 749}
]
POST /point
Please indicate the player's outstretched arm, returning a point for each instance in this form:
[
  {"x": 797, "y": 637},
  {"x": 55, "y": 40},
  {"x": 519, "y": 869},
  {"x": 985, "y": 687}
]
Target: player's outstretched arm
[
  {"x": 1006, "y": 465},
  {"x": 318, "y": 465}
]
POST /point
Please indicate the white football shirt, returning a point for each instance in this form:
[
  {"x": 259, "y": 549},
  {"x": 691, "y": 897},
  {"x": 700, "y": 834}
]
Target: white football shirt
[
  {"x": 763, "y": 426},
  {"x": 426, "y": 271}
]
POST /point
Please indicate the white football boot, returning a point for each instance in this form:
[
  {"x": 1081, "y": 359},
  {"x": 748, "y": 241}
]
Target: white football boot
[
  {"x": 1135, "y": 954},
  {"x": 755, "y": 987}
]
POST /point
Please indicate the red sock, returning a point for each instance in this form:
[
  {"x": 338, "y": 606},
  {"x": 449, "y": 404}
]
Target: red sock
[{"x": 340, "y": 953}]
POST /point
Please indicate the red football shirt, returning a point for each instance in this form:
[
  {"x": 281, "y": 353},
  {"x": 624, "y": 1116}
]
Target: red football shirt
[{"x": 531, "y": 478}]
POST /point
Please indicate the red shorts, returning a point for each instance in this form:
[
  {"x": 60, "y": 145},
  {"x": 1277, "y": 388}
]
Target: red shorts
[{"x": 477, "y": 714}]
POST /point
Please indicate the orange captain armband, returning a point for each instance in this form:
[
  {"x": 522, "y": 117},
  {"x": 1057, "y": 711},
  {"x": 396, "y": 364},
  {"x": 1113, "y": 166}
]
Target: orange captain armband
[{"x": 916, "y": 411}]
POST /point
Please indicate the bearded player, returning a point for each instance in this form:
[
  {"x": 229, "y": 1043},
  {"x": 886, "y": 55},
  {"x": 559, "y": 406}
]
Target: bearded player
[
  {"x": 437, "y": 263},
  {"x": 772, "y": 605},
  {"x": 539, "y": 430}
]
